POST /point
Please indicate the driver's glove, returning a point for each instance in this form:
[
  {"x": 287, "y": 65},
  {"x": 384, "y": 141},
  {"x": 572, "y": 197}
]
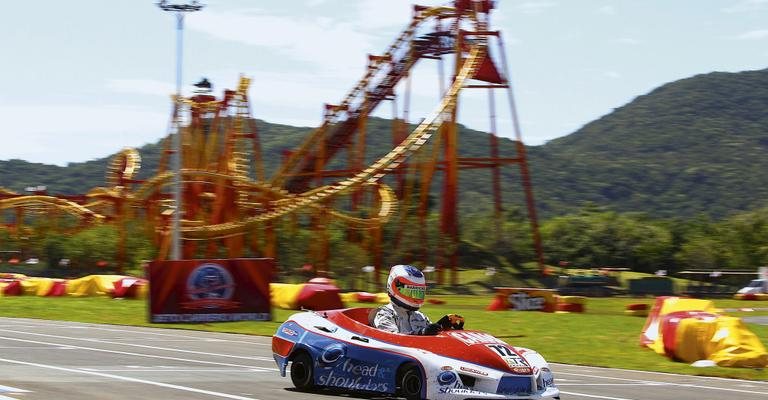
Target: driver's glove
[
  {"x": 431, "y": 329},
  {"x": 451, "y": 321}
]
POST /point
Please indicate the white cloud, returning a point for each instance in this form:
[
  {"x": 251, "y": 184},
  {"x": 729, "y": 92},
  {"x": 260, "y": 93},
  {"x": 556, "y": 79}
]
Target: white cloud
[
  {"x": 141, "y": 86},
  {"x": 746, "y": 6},
  {"x": 753, "y": 35},
  {"x": 612, "y": 74},
  {"x": 310, "y": 39},
  {"x": 75, "y": 133},
  {"x": 535, "y": 7},
  {"x": 373, "y": 14},
  {"x": 607, "y": 10},
  {"x": 628, "y": 41}
]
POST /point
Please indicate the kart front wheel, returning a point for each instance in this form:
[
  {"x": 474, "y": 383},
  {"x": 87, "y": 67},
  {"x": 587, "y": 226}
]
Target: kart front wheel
[
  {"x": 302, "y": 372},
  {"x": 410, "y": 382}
]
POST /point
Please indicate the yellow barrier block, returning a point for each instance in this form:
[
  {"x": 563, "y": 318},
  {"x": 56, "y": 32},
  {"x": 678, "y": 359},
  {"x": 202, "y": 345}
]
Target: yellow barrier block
[
  {"x": 93, "y": 285},
  {"x": 348, "y": 297},
  {"x": 382, "y": 298},
  {"x": 733, "y": 345},
  {"x": 142, "y": 291},
  {"x": 29, "y": 286},
  {"x": 285, "y": 295},
  {"x": 691, "y": 338},
  {"x": 44, "y": 286}
]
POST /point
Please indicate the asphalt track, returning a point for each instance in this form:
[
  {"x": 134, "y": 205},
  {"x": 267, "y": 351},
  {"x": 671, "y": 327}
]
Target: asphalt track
[{"x": 64, "y": 360}]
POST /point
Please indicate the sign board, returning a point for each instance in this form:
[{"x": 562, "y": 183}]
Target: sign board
[
  {"x": 215, "y": 290},
  {"x": 525, "y": 299}
]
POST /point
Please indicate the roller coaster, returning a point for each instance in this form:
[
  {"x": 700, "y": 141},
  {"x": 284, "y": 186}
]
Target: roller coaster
[{"x": 228, "y": 204}]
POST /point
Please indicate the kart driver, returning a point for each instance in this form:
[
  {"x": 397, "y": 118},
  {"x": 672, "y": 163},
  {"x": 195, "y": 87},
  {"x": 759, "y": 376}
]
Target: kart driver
[{"x": 407, "y": 287}]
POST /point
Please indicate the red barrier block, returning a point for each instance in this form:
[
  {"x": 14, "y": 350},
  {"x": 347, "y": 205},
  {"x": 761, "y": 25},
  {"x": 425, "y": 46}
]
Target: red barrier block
[
  {"x": 13, "y": 289},
  {"x": 59, "y": 288},
  {"x": 127, "y": 287},
  {"x": 570, "y": 307},
  {"x": 314, "y": 296}
]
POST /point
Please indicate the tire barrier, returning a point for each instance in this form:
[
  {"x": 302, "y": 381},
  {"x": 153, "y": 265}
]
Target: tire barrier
[{"x": 690, "y": 330}]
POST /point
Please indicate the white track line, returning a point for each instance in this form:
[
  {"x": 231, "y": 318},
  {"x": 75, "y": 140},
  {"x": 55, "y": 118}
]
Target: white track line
[
  {"x": 130, "y": 328},
  {"x": 665, "y": 383},
  {"x": 660, "y": 373},
  {"x": 128, "y": 379},
  {"x": 143, "y": 346},
  {"x": 138, "y": 354},
  {"x": 9, "y": 389},
  {"x": 594, "y": 396},
  {"x": 153, "y": 370}
]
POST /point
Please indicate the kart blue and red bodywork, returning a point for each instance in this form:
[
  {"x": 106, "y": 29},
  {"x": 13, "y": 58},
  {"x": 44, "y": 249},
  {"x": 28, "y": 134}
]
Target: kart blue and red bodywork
[{"x": 338, "y": 349}]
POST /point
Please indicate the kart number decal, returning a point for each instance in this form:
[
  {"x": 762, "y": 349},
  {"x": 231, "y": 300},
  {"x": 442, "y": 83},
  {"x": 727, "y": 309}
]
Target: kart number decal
[{"x": 512, "y": 359}]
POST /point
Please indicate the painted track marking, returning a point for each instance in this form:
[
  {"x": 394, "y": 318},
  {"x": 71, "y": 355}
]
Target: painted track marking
[
  {"x": 137, "y": 354},
  {"x": 593, "y": 396},
  {"x": 666, "y": 383},
  {"x": 10, "y": 389},
  {"x": 143, "y": 346},
  {"x": 129, "y": 379},
  {"x": 24, "y": 323}
]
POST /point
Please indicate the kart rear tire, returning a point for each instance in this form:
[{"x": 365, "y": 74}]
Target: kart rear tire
[
  {"x": 302, "y": 372},
  {"x": 410, "y": 382}
]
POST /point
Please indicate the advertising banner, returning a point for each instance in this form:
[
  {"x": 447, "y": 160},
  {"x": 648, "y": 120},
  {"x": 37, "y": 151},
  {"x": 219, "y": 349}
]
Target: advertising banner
[
  {"x": 523, "y": 299},
  {"x": 217, "y": 290}
]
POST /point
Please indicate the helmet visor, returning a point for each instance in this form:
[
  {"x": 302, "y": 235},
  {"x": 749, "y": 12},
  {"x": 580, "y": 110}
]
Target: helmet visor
[{"x": 412, "y": 293}]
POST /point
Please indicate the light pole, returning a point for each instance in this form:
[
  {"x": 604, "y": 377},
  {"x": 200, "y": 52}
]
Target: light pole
[{"x": 180, "y": 9}]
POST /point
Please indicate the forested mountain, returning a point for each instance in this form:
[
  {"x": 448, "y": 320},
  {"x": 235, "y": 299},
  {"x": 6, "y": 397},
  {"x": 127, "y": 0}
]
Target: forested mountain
[
  {"x": 690, "y": 147},
  {"x": 693, "y": 146}
]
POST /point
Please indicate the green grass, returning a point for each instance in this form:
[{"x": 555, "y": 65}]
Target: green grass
[{"x": 603, "y": 336}]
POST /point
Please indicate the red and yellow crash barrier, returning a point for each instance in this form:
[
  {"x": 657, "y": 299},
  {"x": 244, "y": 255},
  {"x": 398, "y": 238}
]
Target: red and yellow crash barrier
[
  {"x": 364, "y": 297},
  {"x": 91, "y": 285},
  {"x": 312, "y": 296},
  {"x": 689, "y": 330},
  {"x": 637, "y": 309},
  {"x": 569, "y": 304},
  {"x": 751, "y": 296}
]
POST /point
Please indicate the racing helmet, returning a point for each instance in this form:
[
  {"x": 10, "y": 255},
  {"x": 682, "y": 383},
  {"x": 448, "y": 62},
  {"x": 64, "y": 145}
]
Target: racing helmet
[{"x": 406, "y": 286}]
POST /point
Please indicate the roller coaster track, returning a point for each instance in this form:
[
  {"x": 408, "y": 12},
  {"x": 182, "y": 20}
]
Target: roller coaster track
[
  {"x": 50, "y": 201},
  {"x": 288, "y": 191},
  {"x": 383, "y": 75},
  {"x": 369, "y": 176}
]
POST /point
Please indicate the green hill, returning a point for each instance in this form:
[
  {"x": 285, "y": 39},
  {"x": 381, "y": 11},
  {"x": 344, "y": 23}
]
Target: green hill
[{"x": 694, "y": 146}]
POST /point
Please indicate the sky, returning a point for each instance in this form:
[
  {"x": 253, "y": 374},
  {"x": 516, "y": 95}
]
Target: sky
[{"x": 86, "y": 78}]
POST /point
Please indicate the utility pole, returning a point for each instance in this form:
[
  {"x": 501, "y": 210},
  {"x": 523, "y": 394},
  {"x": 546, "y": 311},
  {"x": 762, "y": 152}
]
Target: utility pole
[{"x": 180, "y": 9}]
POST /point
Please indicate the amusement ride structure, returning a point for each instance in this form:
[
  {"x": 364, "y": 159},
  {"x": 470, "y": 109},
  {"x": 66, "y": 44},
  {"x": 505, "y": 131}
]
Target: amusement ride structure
[{"x": 231, "y": 208}]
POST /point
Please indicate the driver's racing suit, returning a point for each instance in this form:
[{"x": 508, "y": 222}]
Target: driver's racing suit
[{"x": 393, "y": 318}]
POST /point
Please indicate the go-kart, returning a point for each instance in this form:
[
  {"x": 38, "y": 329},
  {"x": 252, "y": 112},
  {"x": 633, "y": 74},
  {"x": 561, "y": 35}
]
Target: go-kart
[{"x": 338, "y": 349}]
